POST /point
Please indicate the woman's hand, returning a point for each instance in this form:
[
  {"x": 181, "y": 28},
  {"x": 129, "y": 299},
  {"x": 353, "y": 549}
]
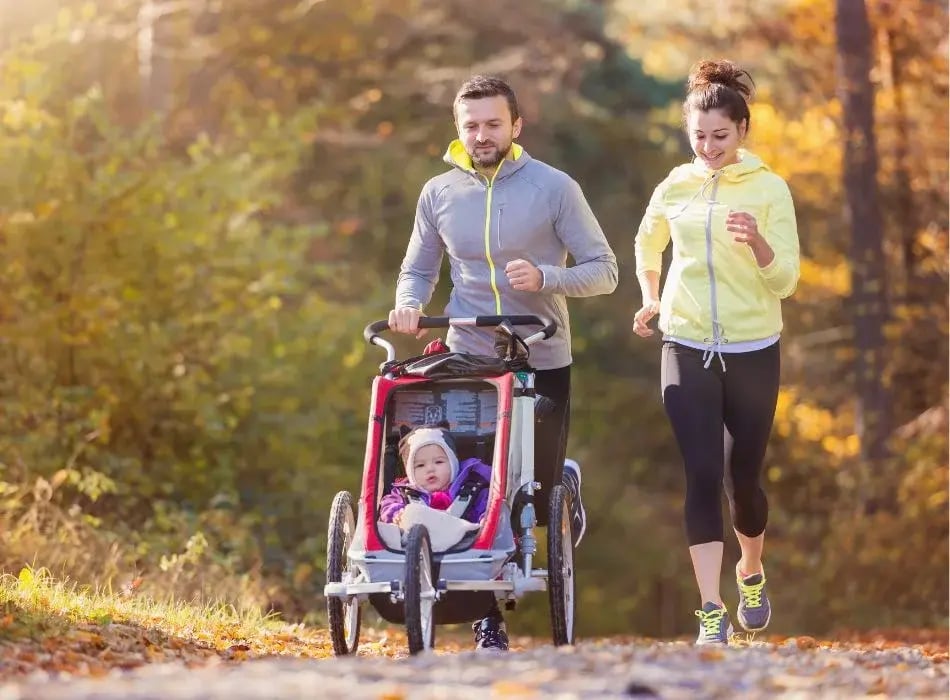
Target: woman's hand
[
  {"x": 650, "y": 308},
  {"x": 745, "y": 229}
]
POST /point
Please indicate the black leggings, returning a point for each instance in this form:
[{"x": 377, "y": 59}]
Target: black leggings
[
  {"x": 550, "y": 434},
  {"x": 721, "y": 418}
]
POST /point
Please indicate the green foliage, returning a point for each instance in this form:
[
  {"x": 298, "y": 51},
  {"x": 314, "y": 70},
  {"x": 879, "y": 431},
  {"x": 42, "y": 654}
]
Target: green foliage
[{"x": 161, "y": 320}]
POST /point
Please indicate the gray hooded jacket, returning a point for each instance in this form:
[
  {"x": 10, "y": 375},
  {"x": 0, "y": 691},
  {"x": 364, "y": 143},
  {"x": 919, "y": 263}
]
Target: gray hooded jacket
[{"x": 530, "y": 211}]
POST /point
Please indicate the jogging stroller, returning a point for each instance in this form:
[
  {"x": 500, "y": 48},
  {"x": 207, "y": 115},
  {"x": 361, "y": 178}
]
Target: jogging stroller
[{"x": 489, "y": 404}]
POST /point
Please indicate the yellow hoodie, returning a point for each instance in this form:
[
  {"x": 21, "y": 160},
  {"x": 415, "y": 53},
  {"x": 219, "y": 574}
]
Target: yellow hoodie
[{"x": 715, "y": 292}]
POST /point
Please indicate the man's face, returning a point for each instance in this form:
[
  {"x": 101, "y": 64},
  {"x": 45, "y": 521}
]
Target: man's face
[{"x": 485, "y": 129}]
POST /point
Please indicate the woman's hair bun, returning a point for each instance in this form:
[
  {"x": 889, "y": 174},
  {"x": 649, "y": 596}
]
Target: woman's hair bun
[{"x": 722, "y": 72}]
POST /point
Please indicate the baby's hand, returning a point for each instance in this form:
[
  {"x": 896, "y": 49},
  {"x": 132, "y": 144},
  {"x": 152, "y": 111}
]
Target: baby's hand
[{"x": 397, "y": 518}]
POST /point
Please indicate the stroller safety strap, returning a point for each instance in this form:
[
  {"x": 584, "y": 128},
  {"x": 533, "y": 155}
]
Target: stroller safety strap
[
  {"x": 460, "y": 504},
  {"x": 464, "y": 497}
]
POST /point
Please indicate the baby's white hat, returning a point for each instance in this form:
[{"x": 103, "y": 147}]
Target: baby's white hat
[{"x": 419, "y": 438}]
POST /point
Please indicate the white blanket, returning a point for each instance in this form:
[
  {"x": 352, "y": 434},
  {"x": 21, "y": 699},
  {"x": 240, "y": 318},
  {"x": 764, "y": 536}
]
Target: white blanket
[{"x": 445, "y": 531}]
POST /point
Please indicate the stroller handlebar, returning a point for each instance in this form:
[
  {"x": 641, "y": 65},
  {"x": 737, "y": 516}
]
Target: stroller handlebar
[{"x": 372, "y": 331}]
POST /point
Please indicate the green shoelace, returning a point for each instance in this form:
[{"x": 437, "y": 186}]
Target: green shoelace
[
  {"x": 711, "y": 621},
  {"x": 752, "y": 594}
]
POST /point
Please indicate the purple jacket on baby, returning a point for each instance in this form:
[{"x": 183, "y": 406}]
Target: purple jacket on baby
[{"x": 395, "y": 501}]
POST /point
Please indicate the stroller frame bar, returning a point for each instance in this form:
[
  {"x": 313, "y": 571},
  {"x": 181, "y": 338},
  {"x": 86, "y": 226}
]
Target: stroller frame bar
[
  {"x": 517, "y": 585},
  {"x": 372, "y": 331}
]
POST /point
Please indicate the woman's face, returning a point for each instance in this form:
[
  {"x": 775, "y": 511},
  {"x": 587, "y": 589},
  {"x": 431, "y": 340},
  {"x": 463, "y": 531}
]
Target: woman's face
[{"x": 715, "y": 138}]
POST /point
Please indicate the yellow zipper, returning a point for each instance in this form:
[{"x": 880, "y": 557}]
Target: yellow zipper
[{"x": 491, "y": 263}]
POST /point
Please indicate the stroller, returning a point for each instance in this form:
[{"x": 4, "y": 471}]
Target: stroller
[{"x": 421, "y": 578}]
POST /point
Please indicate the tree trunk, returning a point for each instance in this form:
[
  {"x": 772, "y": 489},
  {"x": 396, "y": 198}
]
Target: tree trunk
[
  {"x": 919, "y": 375},
  {"x": 155, "y": 68},
  {"x": 868, "y": 295}
]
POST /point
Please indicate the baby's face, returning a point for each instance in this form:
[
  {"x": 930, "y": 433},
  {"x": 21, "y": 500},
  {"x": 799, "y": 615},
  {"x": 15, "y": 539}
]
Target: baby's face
[{"x": 431, "y": 470}]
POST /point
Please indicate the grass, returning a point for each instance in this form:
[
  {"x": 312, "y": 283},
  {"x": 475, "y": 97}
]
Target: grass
[
  {"x": 41, "y": 597},
  {"x": 58, "y": 626}
]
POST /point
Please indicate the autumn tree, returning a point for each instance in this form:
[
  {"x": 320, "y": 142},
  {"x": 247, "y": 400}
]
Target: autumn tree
[{"x": 868, "y": 281}]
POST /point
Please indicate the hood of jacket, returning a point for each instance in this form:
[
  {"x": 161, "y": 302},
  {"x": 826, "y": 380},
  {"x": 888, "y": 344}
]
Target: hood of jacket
[
  {"x": 458, "y": 157},
  {"x": 748, "y": 165}
]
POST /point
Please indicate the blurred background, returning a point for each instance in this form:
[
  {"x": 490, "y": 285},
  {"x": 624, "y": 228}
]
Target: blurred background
[{"x": 202, "y": 203}]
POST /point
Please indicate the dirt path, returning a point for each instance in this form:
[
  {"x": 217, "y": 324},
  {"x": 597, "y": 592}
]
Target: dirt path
[{"x": 593, "y": 669}]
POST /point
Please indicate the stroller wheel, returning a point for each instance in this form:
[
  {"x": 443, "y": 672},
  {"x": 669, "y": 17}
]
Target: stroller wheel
[
  {"x": 561, "y": 566},
  {"x": 344, "y": 615},
  {"x": 420, "y": 591}
]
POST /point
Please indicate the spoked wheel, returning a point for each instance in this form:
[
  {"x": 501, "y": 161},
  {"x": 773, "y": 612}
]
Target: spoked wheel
[
  {"x": 344, "y": 615},
  {"x": 561, "y": 566},
  {"x": 419, "y": 598}
]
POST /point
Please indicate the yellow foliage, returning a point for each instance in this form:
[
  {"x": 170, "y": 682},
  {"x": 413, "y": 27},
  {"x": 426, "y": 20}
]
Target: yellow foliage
[
  {"x": 813, "y": 21},
  {"x": 842, "y": 448},
  {"x": 804, "y": 420},
  {"x": 794, "y": 415},
  {"x": 14, "y": 114},
  {"x": 782, "y": 423},
  {"x": 806, "y": 144},
  {"x": 831, "y": 279},
  {"x": 354, "y": 356},
  {"x": 812, "y": 423}
]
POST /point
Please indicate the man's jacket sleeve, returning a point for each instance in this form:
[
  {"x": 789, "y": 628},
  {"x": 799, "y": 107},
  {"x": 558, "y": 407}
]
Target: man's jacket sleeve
[
  {"x": 595, "y": 265},
  {"x": 419, "y": 272}
]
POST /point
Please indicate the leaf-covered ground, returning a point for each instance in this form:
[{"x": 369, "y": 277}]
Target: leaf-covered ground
[
  {"x": 603, "y": 668},
  {"x": 58, "y": 641}
]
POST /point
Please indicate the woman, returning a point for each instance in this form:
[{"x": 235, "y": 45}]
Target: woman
[{"x": 735, "y": 256}]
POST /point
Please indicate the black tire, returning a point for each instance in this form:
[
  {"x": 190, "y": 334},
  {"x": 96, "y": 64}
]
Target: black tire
[
  {"x": 561, "y": 567},
  {"x": 419, "y": 591},
  {"x": 344, "y": 616}
]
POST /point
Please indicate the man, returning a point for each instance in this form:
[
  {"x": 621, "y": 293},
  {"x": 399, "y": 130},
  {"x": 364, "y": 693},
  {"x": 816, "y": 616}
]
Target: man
[{"x": 507, "y": 223}]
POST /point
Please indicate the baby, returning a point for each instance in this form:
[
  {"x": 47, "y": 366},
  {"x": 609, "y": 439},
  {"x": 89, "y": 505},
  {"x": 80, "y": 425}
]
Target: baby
[{"x": 435, "y": 477}]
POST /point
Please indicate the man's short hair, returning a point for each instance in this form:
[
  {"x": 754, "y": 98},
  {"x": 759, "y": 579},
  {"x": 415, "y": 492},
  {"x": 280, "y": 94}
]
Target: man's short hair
[{"x": 480, "y": 86}]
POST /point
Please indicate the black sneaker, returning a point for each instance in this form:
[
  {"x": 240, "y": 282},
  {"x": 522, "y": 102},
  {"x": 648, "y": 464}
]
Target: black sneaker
[
  {"x": 572, "y": 479},
  {"x": 490, "y": 634}
]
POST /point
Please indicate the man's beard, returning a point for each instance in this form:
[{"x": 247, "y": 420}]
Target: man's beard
[{"x": 490, "y": 158}]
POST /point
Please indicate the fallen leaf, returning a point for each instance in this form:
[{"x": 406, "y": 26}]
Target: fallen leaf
[
  {"x": 392, "y": 695},
  {"x": 84, "y": 637},
  {"x": 237, "y": 652},
  {"x": 806, "y": 642},
  {"x": 511, "y": 689}
]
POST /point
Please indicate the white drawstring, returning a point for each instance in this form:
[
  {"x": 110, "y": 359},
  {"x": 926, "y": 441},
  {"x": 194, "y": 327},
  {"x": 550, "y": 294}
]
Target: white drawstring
[
  {"x": 701, "y": 192},
  {"x": 714, "y": 347}
]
